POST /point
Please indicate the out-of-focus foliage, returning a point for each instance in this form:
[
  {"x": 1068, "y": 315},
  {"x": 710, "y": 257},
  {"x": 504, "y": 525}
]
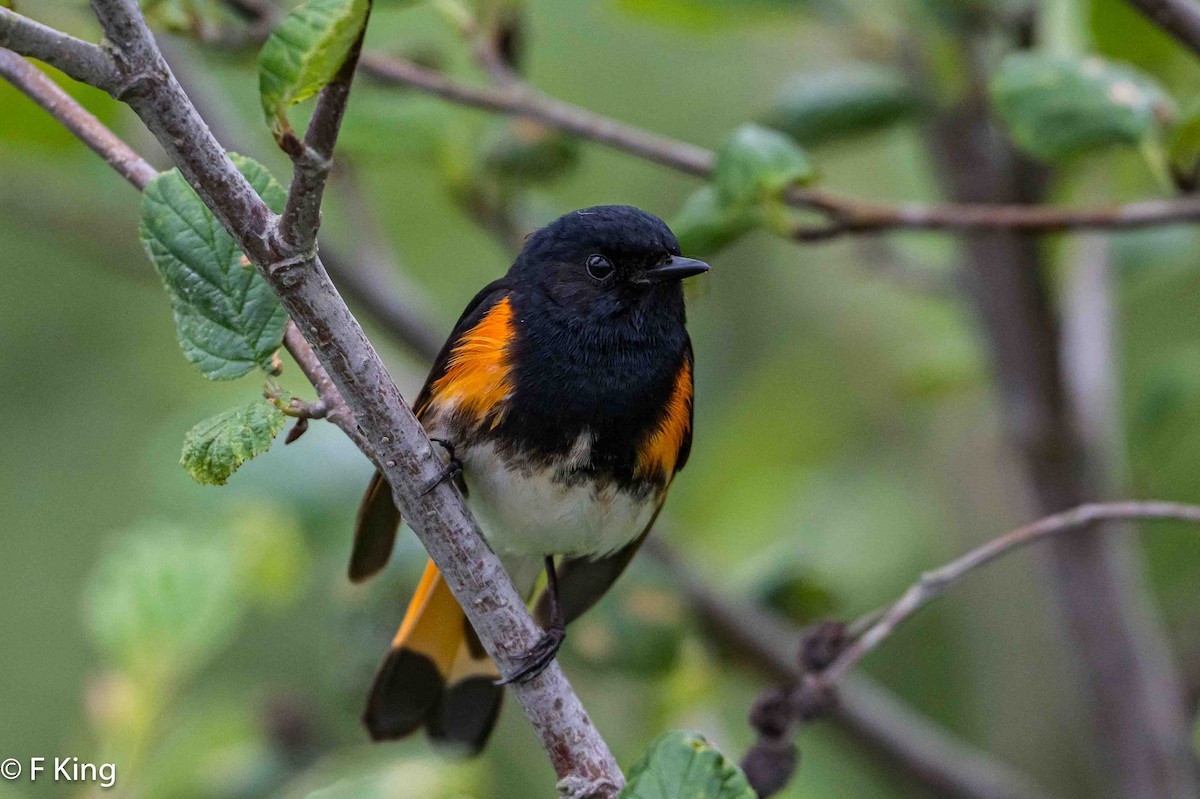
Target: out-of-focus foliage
[
  {"x": 1058, "y": 107},
  {"x": 846, "y": 430},
  {"x": 1183, "y": 148},
  {"x": 833, "y": 106},
  {"x": 754, "y": 164},
  {"x": 528, "y": 153},
  {"x": 162, "y": 602},
  {"x": 705, "y": 224}
]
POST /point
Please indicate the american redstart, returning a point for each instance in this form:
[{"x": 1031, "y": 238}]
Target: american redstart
[{"x": 563, "y": 397}]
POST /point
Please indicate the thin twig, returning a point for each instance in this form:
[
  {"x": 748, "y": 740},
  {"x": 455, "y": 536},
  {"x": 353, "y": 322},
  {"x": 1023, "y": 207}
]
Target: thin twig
[
  {"x": 950, "y": 766},
  {"x": 844, "y": 215},
  {"x": 60, "y": 105},
  {"x": 934, "y": 583},
  {"x": 439, "y": 517},
  {"x": 313, "y": 158},
  {"x": 83, "y": 61},
  {"x": 816, "y": 690},
  {"x": 336, "y": 409}
]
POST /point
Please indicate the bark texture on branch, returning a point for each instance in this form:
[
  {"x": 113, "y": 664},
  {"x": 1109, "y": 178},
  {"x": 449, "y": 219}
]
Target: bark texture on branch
[
  {"x": 399, "y": 444},
  {"x": 1136, "y": 700},
  {"x": 843, "y": 215}
]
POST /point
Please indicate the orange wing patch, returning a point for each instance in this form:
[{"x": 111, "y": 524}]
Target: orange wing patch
[
  {"x": 658, "y": 453},
  {"x": 478, "y": 378}
]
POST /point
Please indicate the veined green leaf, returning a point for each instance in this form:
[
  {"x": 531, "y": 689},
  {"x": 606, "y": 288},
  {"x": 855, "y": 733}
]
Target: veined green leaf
[
  {"x": 226, "y": 317},
  {"x": 304, "y": 52},
  {"x": 1055, "y": 107},
  {"x": 215, "y": 448},
  {"x": 683, "y": 765},
  {"x": 755, "y": 164}
]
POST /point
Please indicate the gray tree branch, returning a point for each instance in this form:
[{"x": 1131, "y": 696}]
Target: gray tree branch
[
  {"x": 950, "y": 766},
  {"x": 400, "y": 446},
  {"x": 83, "y": 61},
  {"x": 1120, "y": 641},
  {"x": 844, "y": 215}
]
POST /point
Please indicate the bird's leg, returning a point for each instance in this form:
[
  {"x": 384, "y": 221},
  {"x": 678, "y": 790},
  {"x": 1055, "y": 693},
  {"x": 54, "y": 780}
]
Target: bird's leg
[
  {"x": 535, "y": 661},
  {"x": 453, "y": 468}
]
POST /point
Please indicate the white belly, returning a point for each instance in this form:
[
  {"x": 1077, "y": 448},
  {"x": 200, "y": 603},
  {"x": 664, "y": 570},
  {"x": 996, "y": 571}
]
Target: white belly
[{"x": 526, "y": 513}]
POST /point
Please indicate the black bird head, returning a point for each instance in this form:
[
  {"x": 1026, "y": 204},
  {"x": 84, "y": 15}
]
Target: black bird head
[{"x": 606, "y": 261}]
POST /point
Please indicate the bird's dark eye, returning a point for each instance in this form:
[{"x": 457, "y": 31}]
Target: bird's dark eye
[{"x": 599, "y": 267}]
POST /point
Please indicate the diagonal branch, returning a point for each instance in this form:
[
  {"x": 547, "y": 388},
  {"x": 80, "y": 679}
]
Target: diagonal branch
[
  {"x": 819, "y": 688},
  {"x": 844, "y": 215},
  {"x": 935, "y": 583},
  {"x": 952, "y": 767},
  {"x": 83, "y": 61},
  {"x": 402, "y": 450},
  {"x": 75, "y": 118},
  {"x": 1180, "y": 18}
]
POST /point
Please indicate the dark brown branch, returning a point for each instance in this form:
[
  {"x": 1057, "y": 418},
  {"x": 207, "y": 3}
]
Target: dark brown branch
[
  {"x": 402, "y": 450},
  {"x": 1180, "y": 18},
  {"x": 950, "y": 766},
  {"x": 844, "y": 215},
  {"x": 60, "y": 105},
  {"x": 83, "y": 61}
]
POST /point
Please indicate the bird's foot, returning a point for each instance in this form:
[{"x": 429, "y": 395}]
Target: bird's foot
[
  {"x": 453, "y": 468},
  {"x": 535, "y": 661}
]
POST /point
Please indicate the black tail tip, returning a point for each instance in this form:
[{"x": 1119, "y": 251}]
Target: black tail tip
[
  {"x": 467, "y": 716},
  {"x": 407, "y": 689}
]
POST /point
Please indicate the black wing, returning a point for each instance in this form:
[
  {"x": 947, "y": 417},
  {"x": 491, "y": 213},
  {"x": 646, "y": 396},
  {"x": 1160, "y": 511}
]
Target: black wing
[{"x": 378, "y": 518}]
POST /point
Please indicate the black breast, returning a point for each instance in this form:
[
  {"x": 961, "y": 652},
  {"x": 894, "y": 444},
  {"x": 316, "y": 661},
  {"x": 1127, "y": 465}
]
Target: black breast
[{"x": 609, "y": 377}]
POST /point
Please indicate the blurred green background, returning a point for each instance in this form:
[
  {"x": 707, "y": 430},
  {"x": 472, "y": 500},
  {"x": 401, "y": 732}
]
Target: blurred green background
[{"x": 846, "y": 432}]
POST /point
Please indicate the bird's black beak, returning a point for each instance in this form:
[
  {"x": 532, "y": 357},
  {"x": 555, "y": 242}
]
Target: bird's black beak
[{"x": 676, "y": 268}]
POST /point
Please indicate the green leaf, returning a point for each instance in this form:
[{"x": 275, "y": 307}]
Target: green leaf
[
  {"x": 161, "y": 601},
  {"x": 755, "y": 164},
  {"x": 304, "y": 53},
  {"x": 704, "y": 225},
  {"x": 227, "y": 319},
  {"x": 814, "y": 109},
  {"x": 683, "y": 765},
  {"x": 215, "y": 448},
  {"x": 522, "y": 152},
  {"x": 1055, "y": 108}
]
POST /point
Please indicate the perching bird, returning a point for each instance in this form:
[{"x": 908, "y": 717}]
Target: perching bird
[{"x": 563, "y": 397}]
